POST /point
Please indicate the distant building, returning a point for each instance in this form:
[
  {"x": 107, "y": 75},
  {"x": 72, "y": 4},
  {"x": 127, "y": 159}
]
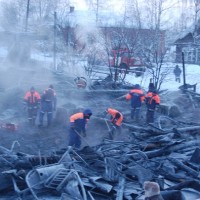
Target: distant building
[
  {"x": 81, "y": 29},
  {"x": 189, "y": 43}
]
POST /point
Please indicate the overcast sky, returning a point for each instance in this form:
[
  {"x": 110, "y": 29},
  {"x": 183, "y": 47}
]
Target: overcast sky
[{"x": 81, "y": 5}]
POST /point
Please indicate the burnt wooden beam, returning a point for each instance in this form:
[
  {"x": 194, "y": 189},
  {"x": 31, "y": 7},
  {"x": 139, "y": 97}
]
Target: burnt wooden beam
[
  {"x": 185, "y": 168},
  {"x": 188, "y": 129},
  {"x": 167, "y": 149},
  {"x": 194, "y": 184}
]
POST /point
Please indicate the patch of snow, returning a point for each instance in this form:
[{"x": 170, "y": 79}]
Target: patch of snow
[
  {"x": 41, "y": 57},
  {"x": 77, "y": 69},
  {"x": 192, "y": 77}
]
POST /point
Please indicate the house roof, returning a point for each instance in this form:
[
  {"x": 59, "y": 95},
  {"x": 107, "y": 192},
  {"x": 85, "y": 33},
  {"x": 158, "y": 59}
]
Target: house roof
[
  {"x": 81, "y": 17},
  {"x": 105, "y": 19},
  {"x": 188, "y": 36}
]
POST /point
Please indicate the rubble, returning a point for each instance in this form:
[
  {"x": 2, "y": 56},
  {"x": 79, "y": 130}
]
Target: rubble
[
  {"x": 165, "y": 152},
  {"x": 111, "y": 170}
]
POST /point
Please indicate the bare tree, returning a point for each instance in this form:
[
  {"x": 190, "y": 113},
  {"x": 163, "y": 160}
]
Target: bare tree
[
  {"x": 132, "y": 13},
  {"x": 197, "y": 9},
  {"x": 154, "y": 50},
  {"x": 27, "y": 14},
  {"x": 19, "y": 12},
  {"x": 13, "y": 15},
  {"x": 43, "y": 9},
  {"x": 97, "y": 6}
]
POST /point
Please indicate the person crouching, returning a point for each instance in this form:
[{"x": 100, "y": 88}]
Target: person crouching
[{"x": 116, "y": 120}]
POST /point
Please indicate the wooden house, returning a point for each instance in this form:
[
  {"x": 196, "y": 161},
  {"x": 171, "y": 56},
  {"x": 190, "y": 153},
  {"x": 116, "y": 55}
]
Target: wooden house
[{"x": 189, "y": 44}]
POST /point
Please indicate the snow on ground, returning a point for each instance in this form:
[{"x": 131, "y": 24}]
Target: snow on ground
[
  {"x": 192, "y": 77},
  {"x": 77, "y": 67},
  {"x": 41, "y": 57}
]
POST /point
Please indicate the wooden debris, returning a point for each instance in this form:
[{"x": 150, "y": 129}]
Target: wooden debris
[{"x": 108, "y": 170}]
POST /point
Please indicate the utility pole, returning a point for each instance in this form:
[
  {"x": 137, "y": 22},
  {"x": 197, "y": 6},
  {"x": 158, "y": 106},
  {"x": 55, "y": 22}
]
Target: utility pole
[
  {"x": 27, "y": 15},
  {"x": 97, "y": 12},
  {"x": 54, "y": 43},
  {"x": 184, "y": 79}
]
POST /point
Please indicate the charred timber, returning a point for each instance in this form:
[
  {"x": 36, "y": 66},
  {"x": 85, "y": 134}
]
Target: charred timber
[
  {"x": 194, "y": 184},
  {"x": 188, "y": 129},
  {"x": 185, "y": 168},
  {"x": 167, "y": 149}
]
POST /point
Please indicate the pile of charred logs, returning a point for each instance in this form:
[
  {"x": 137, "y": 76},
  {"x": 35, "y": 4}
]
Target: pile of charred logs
[{"x": 111, "y": 170}]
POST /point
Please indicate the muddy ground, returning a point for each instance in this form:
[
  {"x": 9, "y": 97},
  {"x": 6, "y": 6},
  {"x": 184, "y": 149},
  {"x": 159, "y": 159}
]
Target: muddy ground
[{"x": 16, "y": 80}]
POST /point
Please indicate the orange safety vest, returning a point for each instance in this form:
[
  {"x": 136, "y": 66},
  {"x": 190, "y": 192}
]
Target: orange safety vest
[
  {"x": 150, "y": 96},
  {"x": 32, "y": 98},
  {"x": 76, "y": 116},
  {"x": 137, "y": 91},
  {"x": 113, "y": 113},
  {"x": 152, "y": 100},
  {"x": 79, "y": 121}
]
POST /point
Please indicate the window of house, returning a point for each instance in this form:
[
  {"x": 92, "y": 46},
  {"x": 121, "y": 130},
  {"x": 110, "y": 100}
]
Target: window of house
[
  {"x": 90, "y": 39},
  {"x": 189, "y": 54}
]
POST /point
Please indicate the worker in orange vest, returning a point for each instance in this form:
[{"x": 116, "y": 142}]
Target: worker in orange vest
[
  {"x": 116, "y": 121},
  {"x": 136, "y": 96},
  {"x": 77, "y": 130},
  {"x": 152, "y": 100},
  {"x": 48, "y": 105},
  {"x": 32, "y": 103}
]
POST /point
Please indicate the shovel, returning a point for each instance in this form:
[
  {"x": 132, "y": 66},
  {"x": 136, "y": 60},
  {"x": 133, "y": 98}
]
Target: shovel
[
  {"x": 109, "y": 131},
  {"x": 82, "y": 137}
]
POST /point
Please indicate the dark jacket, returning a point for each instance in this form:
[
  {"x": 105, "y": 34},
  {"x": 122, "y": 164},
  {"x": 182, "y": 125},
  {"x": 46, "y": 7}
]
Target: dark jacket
[
  {"x": 48, "y": 100},
  {"x": 177, "y": 71}
]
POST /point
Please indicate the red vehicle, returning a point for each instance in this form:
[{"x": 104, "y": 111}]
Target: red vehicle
[{"x": 124, "y": 59}]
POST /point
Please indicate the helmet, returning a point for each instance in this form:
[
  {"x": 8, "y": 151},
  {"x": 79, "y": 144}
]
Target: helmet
[
  {"x": 87, "y": 112},
  {"x": 32, "y": 89},
  {"x": 155, "y": 91},
  {"x": 137, "y": 86},
  {"x": 51, "y": 86}
]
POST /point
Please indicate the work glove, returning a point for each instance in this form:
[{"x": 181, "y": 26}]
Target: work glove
[
  {"x": 72, "y": 125},
  {"x": 113, "y": 128},
  {"x": 54, "y": 109},
  {"x": 25, "y": 108},
  {"x": 114, "y": 120},
  {"x": 84, "y": 134},
  {"x": 104, "y": 113},
  {"x": 110, "y": 133},
  {"x": 157, "y": 108}
]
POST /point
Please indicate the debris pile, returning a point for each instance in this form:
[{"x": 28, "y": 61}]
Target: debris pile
[{"x": 111, "y": 170}]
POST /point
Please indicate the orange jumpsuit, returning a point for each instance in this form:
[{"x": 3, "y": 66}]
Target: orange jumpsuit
[
  {"x": 113, "y": 113},
  {"x": 152, "y": 100},
  {"x": 32, "y": 101},
  {"x": 116, "y": 121}
]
